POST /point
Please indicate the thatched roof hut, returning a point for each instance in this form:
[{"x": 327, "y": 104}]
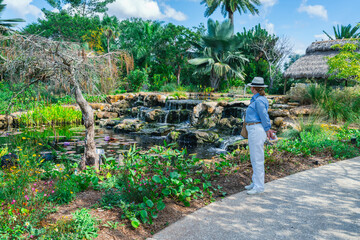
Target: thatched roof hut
[{"x": 313, "y": 65}]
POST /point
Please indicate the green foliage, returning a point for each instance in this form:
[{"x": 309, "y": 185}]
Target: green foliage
[
  {"x": 161, "y": 49},
  {"x": 168, "y": 88},
  {"x": 346, "y": 64},
  {"x": 137, "y": 79},
  {"x": 342, "y": 32},
  {"x": 339, "y": 105},
  {"x": 81, "y": 226},
  {"x": 218, "y": 54},
  {"x": 315, "y": 143},
  {"x": 51, "y": 115},
  {"x": 292, "y": 59},
  {"x": 147, "y": 179},
  {"x": 82, "y": 7},
  {"x": 63, "y": 26},
  {"x": 228, "y": 7}
]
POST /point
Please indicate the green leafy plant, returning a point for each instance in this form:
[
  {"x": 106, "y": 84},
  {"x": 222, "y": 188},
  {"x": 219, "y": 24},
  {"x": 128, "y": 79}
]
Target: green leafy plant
[{"x": 137, "y": 79}]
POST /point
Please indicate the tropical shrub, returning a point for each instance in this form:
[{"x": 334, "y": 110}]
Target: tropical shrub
[
  {"x": 136, "y": 79},
  {"x": 320, "y": 141}
]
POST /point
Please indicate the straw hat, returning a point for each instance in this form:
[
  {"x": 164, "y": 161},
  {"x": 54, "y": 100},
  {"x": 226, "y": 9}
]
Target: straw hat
[{"x": 257, "y": 82}]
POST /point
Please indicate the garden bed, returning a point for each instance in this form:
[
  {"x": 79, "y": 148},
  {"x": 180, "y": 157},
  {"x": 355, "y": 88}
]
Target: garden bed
[
  {"x": 282, "y": 166},
  {"x": 143, "y": 191}
]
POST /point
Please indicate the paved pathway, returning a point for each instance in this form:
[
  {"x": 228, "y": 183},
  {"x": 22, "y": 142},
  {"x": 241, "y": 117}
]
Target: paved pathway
[{"x": 321, "y": 203}]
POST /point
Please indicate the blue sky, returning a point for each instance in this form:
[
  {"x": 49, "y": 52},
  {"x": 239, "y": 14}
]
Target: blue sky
[{"x": 300, "y": 21}]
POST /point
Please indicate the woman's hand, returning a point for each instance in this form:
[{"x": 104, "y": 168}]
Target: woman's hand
[{"x": 270, "y": 134}]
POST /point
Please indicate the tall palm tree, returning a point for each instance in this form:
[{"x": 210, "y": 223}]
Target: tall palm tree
[
  {"x": 218, "y": 54},
  {"x": 228, "y": 7},
  {"x": 342, "y": 32},
  {"x": 6, "y": 23}
]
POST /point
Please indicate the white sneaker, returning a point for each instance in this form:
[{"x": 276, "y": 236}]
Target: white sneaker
[
  {"x": 254, "y": 191},
  {"x": 249, "y": 187}
]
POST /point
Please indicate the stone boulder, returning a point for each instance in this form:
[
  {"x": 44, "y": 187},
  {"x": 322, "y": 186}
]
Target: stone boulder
[
  {"x": 303, "y": 110},
  {"x": 279, "y": 121},
  {"x": 193, "y": 138},
  {"x": 115, "y": 98},
  {"x": 120, "y": 107},
  {"x": 207, "y": 114},
  {"x": 106, "y": 115},
  {"x": 282, "y": 106},
  {"x": 274, "y": 113},
  {"x": 100, "y": 106},
  {"x": 151, "y": 100},
  {"x": 157, "y": 130},
  {"x": 230, "y": 125},
  {"x": 5, "y": 122},
  {"x": 155, "y": 115},
  {"x": 108, "y": 123},
  {"x": 240, "y": 144},
  {"x": 177, "y": 116},
  {"x": 129, "y": 125}
]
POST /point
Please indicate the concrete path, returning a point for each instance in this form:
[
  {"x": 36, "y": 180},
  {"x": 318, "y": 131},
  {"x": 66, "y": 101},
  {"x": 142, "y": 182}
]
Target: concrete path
[{"x": 321, "y": 203}]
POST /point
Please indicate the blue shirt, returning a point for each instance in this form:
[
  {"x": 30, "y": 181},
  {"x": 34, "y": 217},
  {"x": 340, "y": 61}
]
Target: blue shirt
[{"x": 257, "y": 111}]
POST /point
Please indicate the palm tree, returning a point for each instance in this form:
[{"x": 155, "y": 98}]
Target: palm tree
[
  {"x": 342, "y": 32},
  {"x": 7, "y": 23},
  {"x": 218, "y": 55},
  {"x": 228, "y": 7}
]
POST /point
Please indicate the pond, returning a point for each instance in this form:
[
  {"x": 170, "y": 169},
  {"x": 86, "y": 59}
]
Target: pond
[{"x": 69, "y": 141}]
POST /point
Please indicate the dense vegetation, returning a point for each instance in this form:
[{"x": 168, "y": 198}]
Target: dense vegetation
[
  {"x": 34, "y": 186},
  {"x": 38, "y": 176}
]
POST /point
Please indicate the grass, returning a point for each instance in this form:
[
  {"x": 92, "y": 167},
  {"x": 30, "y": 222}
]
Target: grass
[
  {"x": 337, "y": 105},
  {"x": 51, "y": 115}
]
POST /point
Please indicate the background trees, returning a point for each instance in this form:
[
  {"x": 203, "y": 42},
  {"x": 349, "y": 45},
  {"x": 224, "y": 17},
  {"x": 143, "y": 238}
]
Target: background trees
[
  {"x": 266, "y": 53},
  {"x": 81, "y": 7},
  {"x": 218, "y": 54},
  {"x": 346, "y": 64}
]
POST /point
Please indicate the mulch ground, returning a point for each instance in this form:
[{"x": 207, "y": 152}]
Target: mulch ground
[{"x": 282, "y": 165}]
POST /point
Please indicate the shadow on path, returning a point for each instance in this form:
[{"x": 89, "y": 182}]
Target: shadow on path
[{"x": 321, "y": 203}]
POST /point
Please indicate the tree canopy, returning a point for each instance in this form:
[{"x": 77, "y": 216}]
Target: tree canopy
[{"x": 229, "y": 7}]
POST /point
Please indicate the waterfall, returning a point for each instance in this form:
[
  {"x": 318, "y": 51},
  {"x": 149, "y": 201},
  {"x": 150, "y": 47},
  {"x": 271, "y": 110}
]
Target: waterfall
[
  {"x": 166, "y": 116},
  {"x": 229, "y": 141}
]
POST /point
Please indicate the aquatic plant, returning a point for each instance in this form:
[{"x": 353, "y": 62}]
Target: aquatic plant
[{"x": 51, "y": 115}]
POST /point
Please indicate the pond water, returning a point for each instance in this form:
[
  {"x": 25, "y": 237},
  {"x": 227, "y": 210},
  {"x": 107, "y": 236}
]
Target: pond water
[{"x": 70, "y": 141}]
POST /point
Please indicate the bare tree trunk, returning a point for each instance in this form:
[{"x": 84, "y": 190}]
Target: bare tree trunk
[
  {"x": 214, "y": 80},
  {"x": 271, "y": 79},
  {"x": 285, "y": 86},
  {"x": 178, "y": 75},
  {"x": 231, "y": 17},
  {"x": 90, "y": 156}
]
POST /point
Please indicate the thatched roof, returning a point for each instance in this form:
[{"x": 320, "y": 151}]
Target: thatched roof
[{"x": 314, "y": 63}]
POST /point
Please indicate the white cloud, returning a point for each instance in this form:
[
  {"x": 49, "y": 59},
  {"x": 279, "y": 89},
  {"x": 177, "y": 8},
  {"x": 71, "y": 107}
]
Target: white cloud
[
  {"x": 23, "y": 8},
  {"x": 268, "y": 3},
  {"x": 313, "y": 10},
  {"x": 270, "y": 27},
  {"x": 172, "y": 13},
  {"x": 322, "y": 37},
  {"x": 147, "y": 9}
]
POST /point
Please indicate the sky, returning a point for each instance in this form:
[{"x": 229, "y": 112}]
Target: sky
[{"x": 300, "y": 21}]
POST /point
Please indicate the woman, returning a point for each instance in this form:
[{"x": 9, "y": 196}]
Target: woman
[{"x": 258, "y": 127}]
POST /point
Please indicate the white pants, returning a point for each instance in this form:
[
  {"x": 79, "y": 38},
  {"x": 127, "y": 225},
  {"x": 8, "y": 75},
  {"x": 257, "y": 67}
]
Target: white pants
[{"x": 257, "y": 137}]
